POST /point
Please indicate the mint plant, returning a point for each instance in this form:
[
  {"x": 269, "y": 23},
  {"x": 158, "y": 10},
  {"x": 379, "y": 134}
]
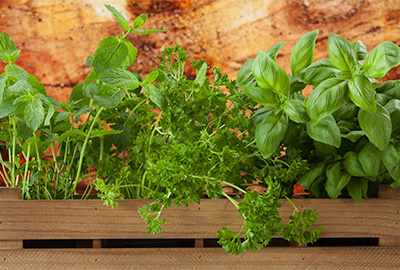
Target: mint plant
[{"x": 344, "y": 127}]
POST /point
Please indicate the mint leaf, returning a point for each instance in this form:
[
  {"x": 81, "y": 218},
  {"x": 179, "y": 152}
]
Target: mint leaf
[
  {"x": 120, "y": 18},
  {"x": 120, "y": 78},
  {"x": 110, "y": 54},
  {"x": 34, "y": 113},
  {"x": 140, "y": 21},
  {"x": 8, "y": 49}
]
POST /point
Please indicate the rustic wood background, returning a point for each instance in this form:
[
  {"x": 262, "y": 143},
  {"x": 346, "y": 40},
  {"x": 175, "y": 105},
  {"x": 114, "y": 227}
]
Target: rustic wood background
[{"x": 56, "y": 36}]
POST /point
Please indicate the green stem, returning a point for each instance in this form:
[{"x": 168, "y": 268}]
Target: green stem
[
  {"x": 13, "y": 151},
  {"x": 296, "y": 210},
  {"x": 78, "y": 173},
  {"x": 234, "y": 186},
  {"x": 154, "y": 130},
  {"x": 233, "y": 201},
  {"x": 24, "y": 180}
]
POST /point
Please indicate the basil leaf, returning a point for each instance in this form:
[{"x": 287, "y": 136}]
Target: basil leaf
[
  {"x": 265, "y": 97},
  {"x": 351, "y": 164},
  {"x": 245, "y": 75},
  {"x": 318, "y": 72},
  {"x": 295, "y": 110},
  {"x": 270, "y": 75},
  {"x": 360, "y": 49},
  {"x": 336, "y": 180},
  {"x": 303, "y": 52},
  {"x": 377, "y": 126},
  {"x": 361, "y": 93},
  {"x": 356, "y": 189},
  {"x": 270, "y": 133},
  {"x": 370, "y": 160},
  {"x": 326, "y": 98},
  {"x": 325, "y": 131},
  {"x": 341, "y": 53},
  {"x": 393, "y": 107},
  {"x": 120, "y": 18},
  {"x": 381, "y": 59},
  {"x": 354, "y": 135},
  {"x": 308, "y": 178},
  {"x": 274, "y": 50},
  {"x": 390, "y": 157}
]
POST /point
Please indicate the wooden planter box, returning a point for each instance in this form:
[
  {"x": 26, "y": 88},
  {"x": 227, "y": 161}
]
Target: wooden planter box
[{"x": 92, "y": 226}]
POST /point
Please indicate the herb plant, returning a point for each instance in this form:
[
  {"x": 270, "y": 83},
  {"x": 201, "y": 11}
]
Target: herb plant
[
  {"x": 165, "y": 137},
  {"x": 346, "y": 128}
]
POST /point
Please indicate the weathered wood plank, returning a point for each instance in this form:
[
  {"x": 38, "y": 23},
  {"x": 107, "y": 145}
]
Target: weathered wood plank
[
  {"x": 91, "y": 220},
  {"x": 191, "y": 258}
]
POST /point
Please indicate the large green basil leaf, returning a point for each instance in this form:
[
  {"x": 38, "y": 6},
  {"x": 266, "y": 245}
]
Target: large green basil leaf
[
  {"x": 356, "y": 188},
  {"x": 341, "y": 53},
  {"x": 295, "y": 110},
  {"x": 326, "y": 98},
  {"x": 336, "y": 180},
  {"x": 370, "y": 160},
  {"x": 393, "y": 107},
  {"x": 265, "y": 97},
  {"x": 390, "y": 159},
  {"x": 377, "y": 126},
  {"x": 390, "y": 88},
  {"x": 270, "y": 133},
  {"x": 318, "y": 72},
  {"x": 303, "y": 52},
  {"x": 361, "y": 93},
  {"x": 352, "y": 166},
  {"x": 381, "y": 59},
  {"x": 245, "y": 75},
  {"x": 269, "y": 74},
  {"x": 360, "y": 49},
  {"x": 325, "y": 131},
  {"x": 347, "y": 111},
  {"x": 308, "y": 178}
]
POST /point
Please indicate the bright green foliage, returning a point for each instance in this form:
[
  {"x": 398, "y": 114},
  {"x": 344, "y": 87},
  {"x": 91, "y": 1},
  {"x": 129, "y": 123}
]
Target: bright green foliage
[{"x": 347, "y": 128}]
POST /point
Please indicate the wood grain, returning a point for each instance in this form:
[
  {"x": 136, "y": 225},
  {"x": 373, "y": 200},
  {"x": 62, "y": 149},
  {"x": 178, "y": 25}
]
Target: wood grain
[
  {"x": 91, "y": 220},
  {"x": 342, "y": 258},
  {"x": 56, "y": 36}
]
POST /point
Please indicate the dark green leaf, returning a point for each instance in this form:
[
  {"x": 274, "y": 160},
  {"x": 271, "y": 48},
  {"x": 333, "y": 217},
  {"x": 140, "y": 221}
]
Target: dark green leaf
[
  {"x": 341, "y": 53},
  {"x": 121, "y": 20},
  {"x": 354, "y": 135},
  {"x": 265, "y": 97},
  {"x": 377, "y": 126},
  {"x": 336, "y": 180},
  {"x": 61, "y": 116},
  {"x": 351, "y": 164},
  {"x": 370, "y": 160},
  {"x": 356, "y": 189},
  {"x": 303, "y": 52},
  {"x": 326, "y": 98},
  {"x": 270, "y": 133},
  {"x": 318, "y": 72},
  {"x": 393, "y": 107},
  {"x": 308, "y": 178},
  {"x": 325, "y": 131},
  {"x": 270, "y": 75},
  {"x": 381, "y": 59},
  {"x": 390, "y": 157},
  {"x": 8, "y": 108},
  {"x": 111, "y": 54},
  {"x": 295, "y": 110},
  {"x": 103, "y": 132},
  {"x": 361, "y": 93}
]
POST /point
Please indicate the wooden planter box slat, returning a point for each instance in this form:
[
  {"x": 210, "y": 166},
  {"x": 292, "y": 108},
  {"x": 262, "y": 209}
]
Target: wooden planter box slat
[
  {"x": 91, "y": 220},
  {"x": 343, "y": 258}
]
